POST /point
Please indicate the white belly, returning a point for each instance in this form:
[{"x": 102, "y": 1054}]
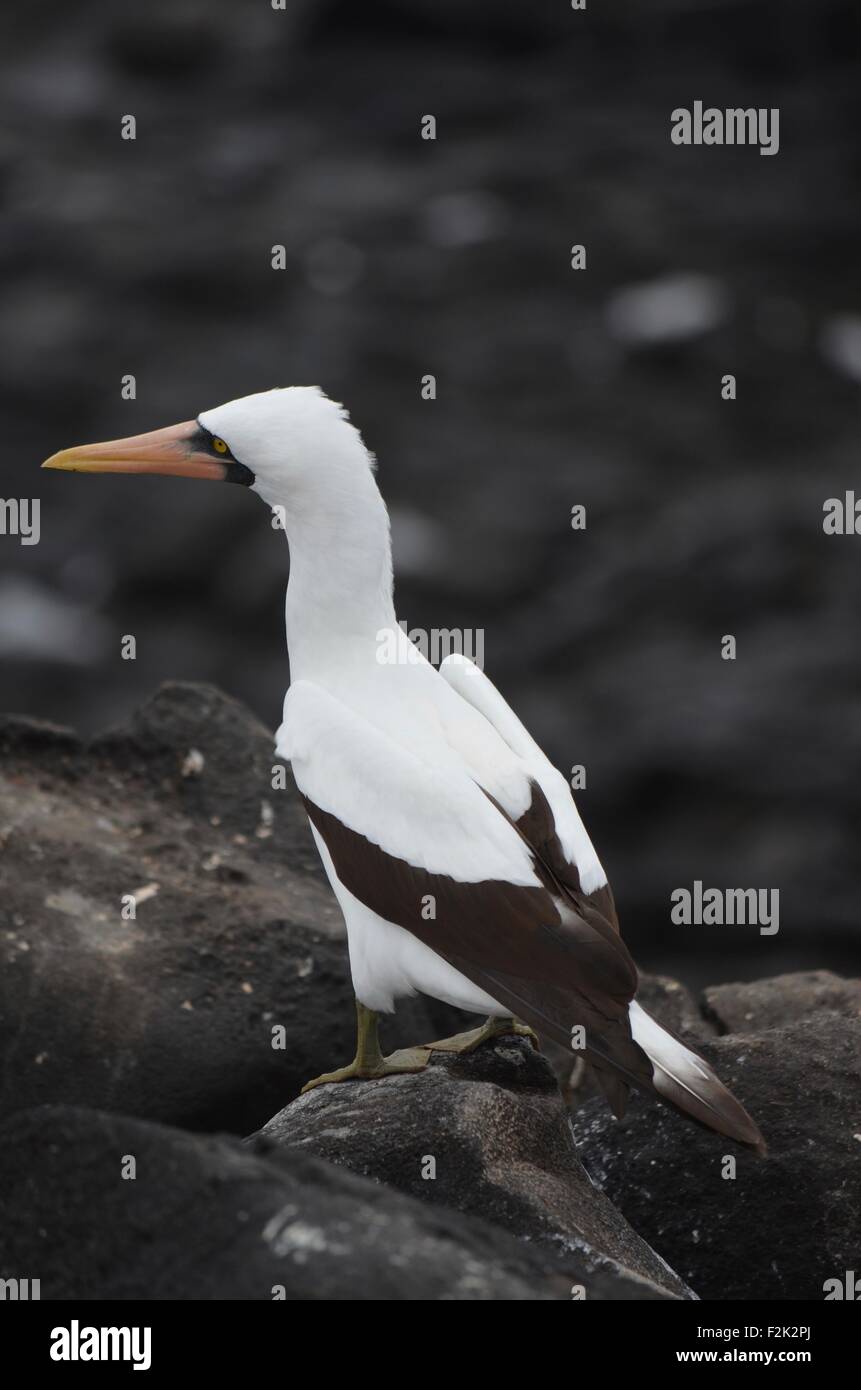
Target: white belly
[{"x": 389, "y": 963}]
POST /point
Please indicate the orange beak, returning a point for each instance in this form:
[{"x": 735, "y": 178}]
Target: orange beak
[{"x": 176, "y": 450}]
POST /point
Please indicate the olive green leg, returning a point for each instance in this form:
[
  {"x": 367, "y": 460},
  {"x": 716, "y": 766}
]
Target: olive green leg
[
  {"x": 488, "y": 1032},
  {"x": 369, "y": 1062}
]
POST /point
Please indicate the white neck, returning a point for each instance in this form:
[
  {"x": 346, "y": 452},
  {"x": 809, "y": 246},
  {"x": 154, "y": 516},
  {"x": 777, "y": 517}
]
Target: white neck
[{"x": 340, "y": 589}]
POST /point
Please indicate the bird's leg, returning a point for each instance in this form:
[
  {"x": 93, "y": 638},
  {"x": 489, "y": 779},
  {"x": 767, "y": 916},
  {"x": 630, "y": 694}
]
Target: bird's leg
[
  {"x": 369, "y": 1062},
  {"x": 491, "y": 1029}
]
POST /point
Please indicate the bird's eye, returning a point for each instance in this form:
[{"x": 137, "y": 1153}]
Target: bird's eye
[{"x": 219, "y": 446}]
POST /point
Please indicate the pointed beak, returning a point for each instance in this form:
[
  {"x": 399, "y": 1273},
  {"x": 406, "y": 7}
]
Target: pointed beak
[{"x": 173, "y": 450}]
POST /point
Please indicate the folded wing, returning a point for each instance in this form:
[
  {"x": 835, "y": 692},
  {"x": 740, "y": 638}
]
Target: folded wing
[
  {"x": 403, "y": 830},
  {"x": 552, "y": 826}
]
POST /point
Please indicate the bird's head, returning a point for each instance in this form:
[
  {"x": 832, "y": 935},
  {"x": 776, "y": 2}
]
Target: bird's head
[{"x": 292, "y": 445}]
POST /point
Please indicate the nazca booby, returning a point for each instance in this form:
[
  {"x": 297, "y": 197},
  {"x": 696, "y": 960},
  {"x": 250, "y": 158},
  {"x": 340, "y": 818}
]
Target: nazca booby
[{"x": 453, "y": 846}]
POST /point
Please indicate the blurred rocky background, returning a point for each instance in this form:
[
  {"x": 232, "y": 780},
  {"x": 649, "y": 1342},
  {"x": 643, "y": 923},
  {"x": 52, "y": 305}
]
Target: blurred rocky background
[{"x": 301, "y": 127}]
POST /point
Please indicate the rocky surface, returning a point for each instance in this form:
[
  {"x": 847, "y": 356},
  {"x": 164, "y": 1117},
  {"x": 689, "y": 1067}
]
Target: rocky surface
[
  {"x": 784, "y": 1224},
  {"x": 485, "y": 1134},
  {"x": 205, "y": 1218},
  {"x": 465, "y": 1182},
  {"x": 761, "y": 1004},
  {"x": 169, "y": 1016}
]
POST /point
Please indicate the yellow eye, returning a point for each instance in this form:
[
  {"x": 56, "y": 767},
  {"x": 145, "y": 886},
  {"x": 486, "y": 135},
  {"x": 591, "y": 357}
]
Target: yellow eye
[{"x": 219, "y": 446}]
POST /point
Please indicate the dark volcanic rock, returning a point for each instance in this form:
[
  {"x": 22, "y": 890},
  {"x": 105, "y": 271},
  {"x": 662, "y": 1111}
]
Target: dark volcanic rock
[
  {"x": 486, "y": 1134},
  {"x": 169, "y": 1016},
  {"x": 750, "y": 1008},
  {"x": 673, "y": 1006},
  {"x": 205, "y": 1218},
  {"x": 785, "y": 1223}
]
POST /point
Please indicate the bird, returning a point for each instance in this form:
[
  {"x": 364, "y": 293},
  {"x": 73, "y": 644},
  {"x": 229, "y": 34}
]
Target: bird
[{"x": 452, "y": 844}]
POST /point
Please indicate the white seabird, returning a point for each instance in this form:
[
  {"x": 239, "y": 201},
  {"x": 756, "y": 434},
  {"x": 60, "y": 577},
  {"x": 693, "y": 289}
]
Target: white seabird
[{"x": 453, "y": 846}]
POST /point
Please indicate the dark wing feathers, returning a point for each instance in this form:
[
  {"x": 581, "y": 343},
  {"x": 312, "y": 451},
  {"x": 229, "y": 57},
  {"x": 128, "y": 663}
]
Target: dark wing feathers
[
  {"x": 538, "y": 828},
  {"x": 550, "y": 954},
  {"x": 529, "y": 948}
]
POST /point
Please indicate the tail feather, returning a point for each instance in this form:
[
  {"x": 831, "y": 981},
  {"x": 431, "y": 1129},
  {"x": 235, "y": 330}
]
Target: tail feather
[
  {"x": 686, "y": 1080},
  {"x": 631, "y": 1050}
]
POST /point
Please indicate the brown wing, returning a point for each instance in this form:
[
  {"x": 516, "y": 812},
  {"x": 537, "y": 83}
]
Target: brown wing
[
  {"x": 538, "y": 828},
  {"x": 537, "y": 825},
  {"x": 529, "y": 948}
]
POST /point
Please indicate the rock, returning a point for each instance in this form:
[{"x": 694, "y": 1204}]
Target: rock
[
  {"x": 230, "y": 779},
  {"x": 750, "y": 1008},
  {"x": 493, "y": 1133},
  {"x": 206, "y": 1218},
  {"x": 785, "y": 1223},
  {"x": 673, "y": 1006},
  {"x": 169, "y": 1016}
]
